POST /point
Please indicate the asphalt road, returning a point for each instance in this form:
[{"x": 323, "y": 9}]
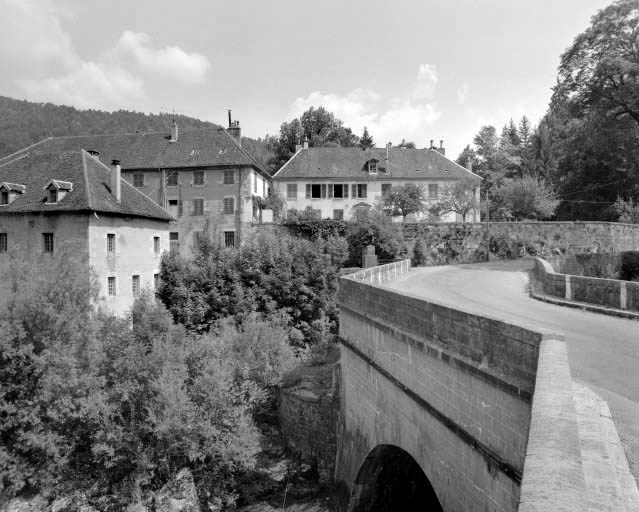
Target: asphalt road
[{"x": 603, "y": 351}]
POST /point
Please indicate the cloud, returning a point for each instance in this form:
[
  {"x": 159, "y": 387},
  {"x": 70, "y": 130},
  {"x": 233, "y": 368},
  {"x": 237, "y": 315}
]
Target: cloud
[
  {"x": 426, "y": 82},
  {"x": 170, "y": 61},
  {"x": 387, "y": 119},
  {"x": 462, "y": 93},
  {"x": 43, "y": 62},
  {"x": 89, "y": 85},
  {"x": 31, "y": 30}
]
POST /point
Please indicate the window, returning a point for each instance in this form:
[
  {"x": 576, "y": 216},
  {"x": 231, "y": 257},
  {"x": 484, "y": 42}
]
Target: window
[
  {"x": 176, "y": 207},
  {"x": 174, "y": 243},
  {"x": 47, "y": 242},
  {"x": 156, "y": 281},
  {"x": 198, "y": 206},
  {"x": 198, "y": 177},
  {"x": 229, "y": 205},
  {"x": 338, "y": 214},
  {"x": 229, "y": 239},
  {"x": 198, "y": 238},
  {"x": 291, "y": 191},
  {"x": 229, "y": 177},
  {"x": 433, "y": 190},
  {"x": 386, "y": 188},
  {"x": 339, "y": 191},
  {"x": 135, "y": 285},
  {"x": 111, "y": 243},
  {"x": 156, "y": 245},
  {"x": 3, "y": 242},
  {"x": 138, "y": 179},
  {"x": 4, "y": 197},
  {"x": 359, "y": 191},
  {"x": 53, "y": 196},
  {"x": 172, "y": 179},
  {"x": 111, "y": 285},
  {"x": 316, "y": 191},
  {"x": 372, "y": 166}
]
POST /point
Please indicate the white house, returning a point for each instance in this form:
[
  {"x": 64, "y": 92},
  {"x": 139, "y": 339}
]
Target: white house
[{"x": 336, "y": 181}]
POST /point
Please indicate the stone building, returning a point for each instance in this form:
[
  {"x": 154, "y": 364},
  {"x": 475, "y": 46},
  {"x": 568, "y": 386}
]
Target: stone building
[
  {"x": 335, "y": 182},
  {"x": 203, "y": 178},
  {"x": 71, "y": 203}
]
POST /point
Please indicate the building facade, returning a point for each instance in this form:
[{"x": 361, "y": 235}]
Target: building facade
[
  {"x": 203, "y": 178},
  {"x": 71, "y": 205},
  {"x": 335, "y": 182}
]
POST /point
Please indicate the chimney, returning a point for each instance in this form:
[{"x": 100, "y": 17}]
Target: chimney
[
  {"x": 174, "y": 131},
  {"x": 305, "y": 142},
  {"x": 469, "y": 164},
  {"x": 431, "y": 144},
  {"x": 441, "y": 149},
  {"x": 298, "y": 146},
  {"x": 234, "y": 129},
  {"x": 388, "y": 147},
  {"x": 116, "y": 185}
]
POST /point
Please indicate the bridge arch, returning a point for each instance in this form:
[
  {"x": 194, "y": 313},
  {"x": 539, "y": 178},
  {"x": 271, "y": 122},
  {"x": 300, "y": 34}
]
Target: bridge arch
[{"x": 390, "y": 479}]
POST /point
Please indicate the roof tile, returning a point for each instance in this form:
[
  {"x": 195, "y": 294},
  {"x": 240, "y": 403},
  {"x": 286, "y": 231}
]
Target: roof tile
[
  {"x": 91, "y": 181},
  {"x": 337, "y": 162}
]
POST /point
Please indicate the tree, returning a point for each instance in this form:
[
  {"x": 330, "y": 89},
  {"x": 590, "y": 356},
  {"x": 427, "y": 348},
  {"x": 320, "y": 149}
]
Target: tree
[
  {"x": 468, "y": 155},
  {"x": 322, "y": 128},
  {"x": 376, "y": 228},
  {"x": 600, "y": 70},
  {"x": 404, "y": 200},
  {"x": 406, "y": 144},
  {"x": 526, "y": 198},
  {"x": 628, "y": 211},
  {"x": 318, "y": 126},
  {"x": 458, "y": 197},
  {"x": 366, "y": 141}
]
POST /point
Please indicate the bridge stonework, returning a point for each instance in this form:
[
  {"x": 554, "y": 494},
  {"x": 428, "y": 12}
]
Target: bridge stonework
[{"x": 452, "y": 389}]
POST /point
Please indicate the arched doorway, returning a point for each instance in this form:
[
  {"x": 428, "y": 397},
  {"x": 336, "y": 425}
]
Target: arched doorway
[{"x": 391, "y": 480}]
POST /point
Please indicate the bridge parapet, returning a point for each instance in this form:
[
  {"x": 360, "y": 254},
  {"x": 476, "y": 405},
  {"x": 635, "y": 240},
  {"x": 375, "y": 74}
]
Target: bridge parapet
[{"x": 451, "y": 388}]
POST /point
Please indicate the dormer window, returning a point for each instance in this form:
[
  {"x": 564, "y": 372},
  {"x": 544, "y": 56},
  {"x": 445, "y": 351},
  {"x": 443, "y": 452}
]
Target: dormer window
[
  {"x": 56, "y": 190},
  {"x": 9, "y": 191},
  {"x": 372, "y": 166}
]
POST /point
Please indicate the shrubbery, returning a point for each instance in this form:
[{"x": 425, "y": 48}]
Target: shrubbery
[
  {"x": 114, "y": 407},
  {"x": 268, "y": 274}
]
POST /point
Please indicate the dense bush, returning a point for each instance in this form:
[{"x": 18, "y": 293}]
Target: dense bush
[
  {"x": 629, "y": 270},
  {"x": 377, "y": 229},
  {"x": 268, "y": 274},
  {"x": 117, "y": 406}
]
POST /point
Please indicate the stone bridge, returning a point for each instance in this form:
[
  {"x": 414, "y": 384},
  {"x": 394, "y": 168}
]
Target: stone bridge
[{"x": 447, "y": 410}]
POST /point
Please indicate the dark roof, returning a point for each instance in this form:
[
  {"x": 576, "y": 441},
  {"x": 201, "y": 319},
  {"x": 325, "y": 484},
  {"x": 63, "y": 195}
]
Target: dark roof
[
  {"x": 336, "y": 162},
  {"x": 91, "y": 181},
  {"x": 194, "y": 148}
]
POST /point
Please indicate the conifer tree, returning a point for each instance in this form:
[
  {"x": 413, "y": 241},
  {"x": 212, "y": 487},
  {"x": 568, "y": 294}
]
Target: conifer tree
[{"x": 366, "y": 140}]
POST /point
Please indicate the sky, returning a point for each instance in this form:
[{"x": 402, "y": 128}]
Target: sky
[{"x": 407, "y": 69}]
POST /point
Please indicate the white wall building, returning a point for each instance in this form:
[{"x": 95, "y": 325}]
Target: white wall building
[{"x": 336, "y": 181}]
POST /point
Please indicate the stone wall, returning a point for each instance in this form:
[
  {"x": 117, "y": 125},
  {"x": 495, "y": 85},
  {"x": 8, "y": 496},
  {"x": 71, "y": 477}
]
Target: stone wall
[
  {"x": 452, "y": 389},
  {"x": 468, "y": 243},
  {"x": 309, "y": 420},
  {"x": 593, "y": 290}
]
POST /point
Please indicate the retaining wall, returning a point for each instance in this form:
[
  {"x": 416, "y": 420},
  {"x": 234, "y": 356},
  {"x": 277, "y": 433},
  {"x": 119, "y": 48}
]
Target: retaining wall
[
  {"x": 593, "y": 290},
  {"x": 309, "y": 420}
]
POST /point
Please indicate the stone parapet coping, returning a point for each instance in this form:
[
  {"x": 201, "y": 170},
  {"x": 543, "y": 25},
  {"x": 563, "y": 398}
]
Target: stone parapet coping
[
  {"x": 544, "y": 272},
  {"x": 553, "y": 476}
]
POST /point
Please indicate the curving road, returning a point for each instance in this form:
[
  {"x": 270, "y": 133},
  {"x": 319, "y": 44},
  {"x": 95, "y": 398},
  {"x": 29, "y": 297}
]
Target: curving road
[{"x": 603, "y": 351}]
